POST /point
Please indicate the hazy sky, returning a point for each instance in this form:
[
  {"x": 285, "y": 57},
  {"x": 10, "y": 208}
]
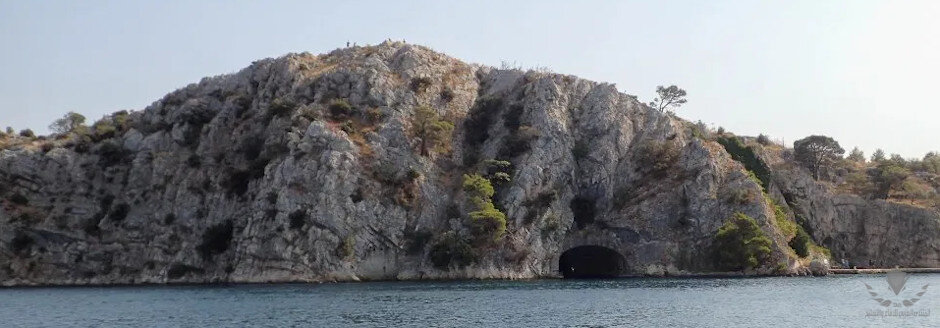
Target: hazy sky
[{"x": 860, "y": 71}]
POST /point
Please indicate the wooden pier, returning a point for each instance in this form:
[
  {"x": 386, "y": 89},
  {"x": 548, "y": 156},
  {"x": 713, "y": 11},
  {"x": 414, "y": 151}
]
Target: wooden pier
[{"x": 883, "y": 270}]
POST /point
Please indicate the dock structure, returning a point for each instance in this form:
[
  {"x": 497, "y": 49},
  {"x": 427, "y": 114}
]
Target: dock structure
[{"x": 883, "y": 270}]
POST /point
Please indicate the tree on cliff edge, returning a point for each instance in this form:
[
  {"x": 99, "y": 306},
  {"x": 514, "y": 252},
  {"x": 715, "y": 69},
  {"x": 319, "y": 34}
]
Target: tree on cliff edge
[
  {"x": 672, "y": 96},
  {"x": 817, "y": 152},
  {"x": 71, "y": 122},
  {"x": 430, "y": 129}
]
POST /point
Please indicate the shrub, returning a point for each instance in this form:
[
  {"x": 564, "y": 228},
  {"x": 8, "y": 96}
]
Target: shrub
[
  {"x": 281, "y": 107},
  {"x": 121, "y": 120},
  {"x": 251, "y": 147},
  {"x": 119, "y": 212},
  {"x": 583, "y": 211},
  {"x": 551, "y": 224},
  {"x": 412, "y": 175},
  {"x": 340, "y": 109},
  {"x": 169, "y": 219},
  {"x": 519, "y": 142},
  {"x": 215, "y": 240},
  {"x": 19, "y": 199},
  {"x": 27, "y": 133},
  {"x": 103, "y": 129},
  {"x": 194, "y": 161},
  {"x": 447, "y": 95},
  {"x": 309, "y": 113},
  {"x": 741, "y": 196},
  {"x": 348, "y": 127},
  {"x": 450, "y": 250},
  {"x": 110, "y": 153},
  {"x": 30, "y": 215},
  {"x": 513, "y": 116},
  {"x": 477, "y": 126},
  {"x": 197, "y": 113},
  {"x": 237, "y": 182},
  {"x": 46, "y": 147},
  {"x": 699, "y": 130},
  {"x": 580, "y": 150},
  {"x": 347, "y": 248},
  {"x": 789, "y": 228},
  {"x": 498, "y": 170},
  {"x": 297, "y": 219},
  {"x": 420, "y": 84},
  {"x": 657, "y": 157},
  {"x": 20, "y": 243},
  {"x": 374, "y": 115},
  {"x": 763, "y": 140},
  {"x": 801, "y": 243},
  {"x": 859, "y": 183},
  {"x": 740, "y": 244},
  {"x": 90, "y": 227},
  {"x": 746, "y": 156},
  {"x": 416, "y": 240},
  {"x": 888, "y": 177}
]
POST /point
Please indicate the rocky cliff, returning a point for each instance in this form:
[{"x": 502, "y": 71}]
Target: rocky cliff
[{"x": 307, "y": 168}]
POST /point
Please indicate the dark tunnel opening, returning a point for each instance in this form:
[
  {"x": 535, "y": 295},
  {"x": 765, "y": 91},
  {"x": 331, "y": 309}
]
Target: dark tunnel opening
[{"x": 591, "y": 262}]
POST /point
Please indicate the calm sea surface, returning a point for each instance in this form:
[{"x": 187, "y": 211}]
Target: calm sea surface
[{"x": 833, "y": 301}]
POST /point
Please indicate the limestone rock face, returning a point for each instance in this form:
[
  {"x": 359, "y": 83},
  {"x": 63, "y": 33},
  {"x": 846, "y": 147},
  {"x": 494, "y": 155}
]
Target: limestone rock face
[
  {"x": 866, "y": 233},
  {"x": 264, "y": 175}
]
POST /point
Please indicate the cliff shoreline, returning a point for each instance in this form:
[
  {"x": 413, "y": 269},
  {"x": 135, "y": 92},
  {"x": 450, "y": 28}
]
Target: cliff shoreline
[{"x": 396, "y": 162}]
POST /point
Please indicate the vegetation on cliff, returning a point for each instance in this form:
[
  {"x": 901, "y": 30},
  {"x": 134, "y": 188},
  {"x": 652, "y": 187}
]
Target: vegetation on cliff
[{"x": 740, "y": 244}]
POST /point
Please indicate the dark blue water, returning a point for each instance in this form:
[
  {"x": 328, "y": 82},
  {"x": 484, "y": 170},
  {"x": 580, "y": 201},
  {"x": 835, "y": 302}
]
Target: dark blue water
[{"x": 803, "y": 302}]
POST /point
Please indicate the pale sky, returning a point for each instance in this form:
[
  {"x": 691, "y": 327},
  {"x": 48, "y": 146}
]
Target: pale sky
[{"x": 859, "y": 71}]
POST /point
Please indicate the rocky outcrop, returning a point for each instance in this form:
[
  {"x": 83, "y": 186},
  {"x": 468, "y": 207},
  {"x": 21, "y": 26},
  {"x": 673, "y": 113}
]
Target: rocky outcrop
[
  {"x": 265, "y": 175},
  {"x": 863, "y": 232}
]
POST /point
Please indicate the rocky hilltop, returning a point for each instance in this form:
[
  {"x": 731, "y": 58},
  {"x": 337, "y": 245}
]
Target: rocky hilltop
[{"x": 321, "y": 168}]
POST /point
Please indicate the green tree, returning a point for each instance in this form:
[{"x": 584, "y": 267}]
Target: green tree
[
  {"x": 71, "y": 122},
  {"x": 899, "y": 160},
  {"x": 486, "y": 221},
  {"x": 430, "y": 129},
  {"x": 859, "y": 183},
  {"x": 888, "y": 177},
  {"x": 931, "y": 162},
  {"x": 817, "y": 152},
  {"x": 478, "y": 188},
  {"x": 878, "y": 155},
  {"x": 103, "y": 129},
  {"x": 451, "y": 250},
  {"x": 672, "y": 96},
  {"x": 741, "y": 244},
  {"x": 914, "y": 190},
  {"x": 856, "y": 155}
]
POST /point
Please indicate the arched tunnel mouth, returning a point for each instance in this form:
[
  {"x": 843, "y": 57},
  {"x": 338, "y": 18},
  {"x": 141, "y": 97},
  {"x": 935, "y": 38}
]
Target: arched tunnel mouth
[{"x": 591, "y": 262}]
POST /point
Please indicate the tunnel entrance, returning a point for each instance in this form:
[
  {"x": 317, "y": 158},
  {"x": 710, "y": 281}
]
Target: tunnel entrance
[{"x": 591, "y": 262}]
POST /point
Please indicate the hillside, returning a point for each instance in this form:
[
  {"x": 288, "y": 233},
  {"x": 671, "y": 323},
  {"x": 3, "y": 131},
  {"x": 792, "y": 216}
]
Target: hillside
[{"x": 397, "y": 162}]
